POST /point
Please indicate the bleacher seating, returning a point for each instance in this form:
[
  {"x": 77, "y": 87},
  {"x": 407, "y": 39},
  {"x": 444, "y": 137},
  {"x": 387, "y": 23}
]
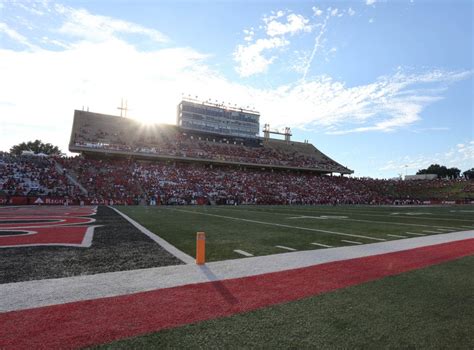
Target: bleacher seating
[
  {"x": 96, "y": 132},
  {"x": 131, "y": 181},
  {"x": 32, "y": 176}
]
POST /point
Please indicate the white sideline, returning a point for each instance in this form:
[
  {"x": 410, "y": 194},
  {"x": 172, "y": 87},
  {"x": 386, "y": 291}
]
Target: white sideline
[
  {"x": 164, "y": 244},
  {"x": 31, "y": 294}
]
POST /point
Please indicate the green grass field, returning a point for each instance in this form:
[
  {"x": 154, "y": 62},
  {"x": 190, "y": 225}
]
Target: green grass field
[
  {"x": 431, "y": 308},
  {"x": 258, "y": 230}
]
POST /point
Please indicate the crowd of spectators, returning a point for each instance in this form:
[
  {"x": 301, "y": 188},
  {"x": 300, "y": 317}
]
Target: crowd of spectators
[
  {"x": 130, "y": 181},
  {"x": 222, "y": 152},
  {"x": 32, "y": 176},
  {"x": 178, "y": 143},
  {"x": 168, "y": 183}
]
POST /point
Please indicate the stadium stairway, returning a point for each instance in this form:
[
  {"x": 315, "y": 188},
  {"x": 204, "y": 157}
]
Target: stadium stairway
[{"x": 71, "y": 178}]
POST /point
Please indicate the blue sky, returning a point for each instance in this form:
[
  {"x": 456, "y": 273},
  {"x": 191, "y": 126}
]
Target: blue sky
[{"x": 384, "y": 87}]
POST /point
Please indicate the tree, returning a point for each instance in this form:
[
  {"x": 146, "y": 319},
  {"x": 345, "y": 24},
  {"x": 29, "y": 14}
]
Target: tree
[
  {"x": 36, "y": 146},
  {"x": 441, "y": 171},
  {"x": 469, "y": 174},
  {"x": 454, "y": 173}
]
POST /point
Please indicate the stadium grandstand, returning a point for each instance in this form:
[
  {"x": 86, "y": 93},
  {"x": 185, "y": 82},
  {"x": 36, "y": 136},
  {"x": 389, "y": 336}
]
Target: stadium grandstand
[
  {"x": 213, "y": 155},
  {"x": 208, "y": 134},
  {"x": 120, "y": 180}
]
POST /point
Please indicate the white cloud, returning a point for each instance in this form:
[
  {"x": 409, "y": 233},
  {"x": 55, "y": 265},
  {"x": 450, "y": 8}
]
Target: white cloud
[
  {"x": 317, "y": 11},
  {"x": 395, "y": 99},
  {"x": 40, "y": 88},
  {"x": 84, "y": 25},
  {"x": 15, "y": 36},
  {"x": 299, "y": 60},
  {"x": 249, "y": 34},
  {"x": 32, "y": 8},
  {"x": 255, "y": 57},
  {"x": 370, "y": 2},
  {"x": 317, "y": 46},
  {"x": 371, "y": 20},
  {"x": 46, "y": 40},
  {"x": 294, "y": 24},
  {"x": 251, "y": 59},
  {"x": 274, "y": 15},
  {"x": 454, "y": 156}
]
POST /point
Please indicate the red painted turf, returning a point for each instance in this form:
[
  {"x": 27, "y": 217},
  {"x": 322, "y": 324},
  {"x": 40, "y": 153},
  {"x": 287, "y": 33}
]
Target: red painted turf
[
  {"x": 103, "y": 320},
  {"x": 47, "y": 235}
]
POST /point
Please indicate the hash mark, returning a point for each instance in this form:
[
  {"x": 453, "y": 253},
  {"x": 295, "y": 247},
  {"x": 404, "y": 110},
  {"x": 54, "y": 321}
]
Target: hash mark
[
  {"x": 283, "y": 247},
  {"x": 322, "y": 245},
  {"x": 353, "y": 242},
  {"x": 242, "y": 252}
]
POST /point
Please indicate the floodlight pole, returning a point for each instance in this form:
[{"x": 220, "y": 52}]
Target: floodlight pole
[{"x": 123, "y": 108}]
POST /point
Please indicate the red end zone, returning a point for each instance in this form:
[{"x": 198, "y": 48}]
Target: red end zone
[
  {"x": 98, "y": 321},
  {"x": 35, "y": 226}
]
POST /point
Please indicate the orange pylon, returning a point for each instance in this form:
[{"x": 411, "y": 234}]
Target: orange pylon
[{"x": 200, "y": 248}]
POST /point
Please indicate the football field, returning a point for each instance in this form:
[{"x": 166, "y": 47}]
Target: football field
[
  {"x": 240, "y": 231},
  {"x": 276, "y": 277},
  {"x": 431, "y": 308}
]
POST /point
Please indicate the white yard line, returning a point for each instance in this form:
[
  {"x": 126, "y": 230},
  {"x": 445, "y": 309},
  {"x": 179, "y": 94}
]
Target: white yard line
[
  {"x": 348, "y": 219},
  {"x": 164, "y": 244},
  {"x": 32, "y": 294},
  {"x": 279, "y": 225},
  {"x": 390, "y": 223},
  {"x": 415, "y": 234},
  {"x": 397, "y": 236},
  {"x": 368, "y": 213},
  {"x": 428, "y": 231},
  {"x": 322, "y": 245},
  {"x": 287, "y": 248},
  {"x": 427, "y": 217},
  {"x": 353, "y": 242},
  {"x": 242, "y": 252}
]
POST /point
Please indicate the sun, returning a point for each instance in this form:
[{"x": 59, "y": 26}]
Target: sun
[
  {"x": 149, "y": 115},
  {"x": 147, "y": 122}
]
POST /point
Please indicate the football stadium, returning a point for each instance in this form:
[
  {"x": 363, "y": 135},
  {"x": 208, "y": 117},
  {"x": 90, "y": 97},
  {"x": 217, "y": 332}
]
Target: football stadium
[
  {"x": 205, "y": 234},
  {"x": 236, "y": 174}
]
